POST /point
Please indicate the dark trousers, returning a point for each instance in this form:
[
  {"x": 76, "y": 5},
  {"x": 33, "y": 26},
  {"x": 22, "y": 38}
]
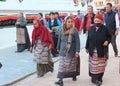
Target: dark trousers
[
  {"x": 114, "y": 45},
  {"x": 20, "y": 47},
  {"x": 54, "y": 52},
  {"x": 95, "y": 77}
]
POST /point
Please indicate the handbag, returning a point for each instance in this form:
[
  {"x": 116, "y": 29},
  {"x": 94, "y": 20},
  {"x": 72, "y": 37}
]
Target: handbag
[{"x": 56, "y": 30}]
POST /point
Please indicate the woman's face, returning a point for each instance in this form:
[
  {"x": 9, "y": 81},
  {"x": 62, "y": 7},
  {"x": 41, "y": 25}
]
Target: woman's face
[
  {"x": 35, "y": 23},
  {"x": 52, "y": 16},
  {"x": 19, "y": 15},
  {"x": 56, "y": 16},
  {"x": 39, "y": 16},
  {"x": 97, "y": 22},
  {"x": 69, "y": 23}
]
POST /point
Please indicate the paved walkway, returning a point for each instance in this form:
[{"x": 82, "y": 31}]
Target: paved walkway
[
  {"x": 16, "y": 65},
  {"x": 111, "y": 77}
]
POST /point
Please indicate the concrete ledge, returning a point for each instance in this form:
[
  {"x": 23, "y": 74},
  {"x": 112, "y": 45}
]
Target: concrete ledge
[{"x": 15, "y": 81}]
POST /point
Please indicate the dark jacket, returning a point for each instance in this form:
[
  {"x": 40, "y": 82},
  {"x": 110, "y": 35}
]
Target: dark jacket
[
  {"x": 111, "y": 22},
  {"x": 96, "y": 40},
  {"x": 54, "y": 24}
]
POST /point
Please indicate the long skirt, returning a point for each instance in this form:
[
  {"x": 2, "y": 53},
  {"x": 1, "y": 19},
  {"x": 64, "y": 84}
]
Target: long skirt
[
  {"x": 97, "y": 67},
  {"x": 23, "y": 40},
  {"x": 42, "y": 58},
  {"x": 69, "y": 67}
]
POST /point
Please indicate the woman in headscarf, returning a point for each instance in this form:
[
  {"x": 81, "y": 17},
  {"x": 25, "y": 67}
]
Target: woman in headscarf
[
  {"x": 23, "y": 40},
  {"x": 68, "y": 47},
  {"x": 97, "y": 46},
  {"x": 42, "y": 43}
]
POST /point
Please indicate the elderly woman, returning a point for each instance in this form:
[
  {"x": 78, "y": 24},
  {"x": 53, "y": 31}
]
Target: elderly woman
[
  {"x": 97, "y": 46},
  {"x": 42, "y": 43},
  {"x": 68, "y": 47},
  {"x": 23, "y": 40}
]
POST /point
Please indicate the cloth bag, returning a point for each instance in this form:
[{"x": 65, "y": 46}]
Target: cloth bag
[{"x": 56, "y": 30}]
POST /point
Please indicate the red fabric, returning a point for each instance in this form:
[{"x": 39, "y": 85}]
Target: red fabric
[
  {"x": 99, "y": 16},
  {"x": 119, "y": 17},
  {"x": 42, "y": 33},
  {"x": 88, "y": 23},
  {"x": 77, "y": 23}
]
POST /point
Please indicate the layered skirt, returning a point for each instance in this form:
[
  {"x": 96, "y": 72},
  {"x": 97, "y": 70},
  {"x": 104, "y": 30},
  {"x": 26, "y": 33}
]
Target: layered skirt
[
  {"x": 42, "y": 58},
  {"x": 97, "y": 67},
  {"x": 22, "y": 39},
  {"x": 69, "y": 67}
]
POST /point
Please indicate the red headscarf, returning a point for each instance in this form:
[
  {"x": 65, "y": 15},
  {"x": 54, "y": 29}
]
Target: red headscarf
[{"x": 42, "y": 33}]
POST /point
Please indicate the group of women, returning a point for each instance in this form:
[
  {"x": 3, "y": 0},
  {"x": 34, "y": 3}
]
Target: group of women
[{"x": 68, "y": 48}]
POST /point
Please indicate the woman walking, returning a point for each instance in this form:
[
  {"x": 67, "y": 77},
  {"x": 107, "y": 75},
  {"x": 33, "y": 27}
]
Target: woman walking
[
  {"x": 68, "y": 47},
  {"x": 97, "y": 46},
  {"x": 42, "y": 43},
  {"x": 23, "y": 40}
]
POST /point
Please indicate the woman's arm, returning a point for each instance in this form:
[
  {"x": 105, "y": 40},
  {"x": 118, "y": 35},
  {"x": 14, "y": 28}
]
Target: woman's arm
[
  {"x": 77, "y": 41},
  {"x": 59, "y": 40}
]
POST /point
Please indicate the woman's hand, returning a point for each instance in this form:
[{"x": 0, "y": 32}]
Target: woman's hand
[
  {"x": 31, "y": 49},
  {"x": 18, "y": 23},
  {"x": 116, "y": 32},
  {"x": 50, "y": 47},
  {"x": 105, "y": 43},
  {"x": 58, "y": 51},
  {"x": 50, "y": 31},
  {"x": 77, "y": 54}
]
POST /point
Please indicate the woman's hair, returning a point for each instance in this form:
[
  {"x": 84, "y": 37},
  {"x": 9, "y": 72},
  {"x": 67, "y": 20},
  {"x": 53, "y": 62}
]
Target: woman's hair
[
  {"x": 57, "y": 14},
  {"x": 52, "y": 13},
  {"x": 40, "y": 14},
  {"x": 65, "y": 26}
]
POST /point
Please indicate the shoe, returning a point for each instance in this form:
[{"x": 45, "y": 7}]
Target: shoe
[
  {"x": 60, "y": 83},
  {"x": 40, "y": 75},
  {"x": 116, "y": 55},
  {"x": 74, "y": 78},
  {"x": 18, "y": 51},
  {"x": 52, "y": 70},
  {"x": 98, "y": 83}
]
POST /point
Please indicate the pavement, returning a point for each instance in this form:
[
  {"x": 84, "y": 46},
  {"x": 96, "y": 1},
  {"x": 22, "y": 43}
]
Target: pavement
[
  {"x": 111, "y": 76},
  {"x": 17, "y": 66}
]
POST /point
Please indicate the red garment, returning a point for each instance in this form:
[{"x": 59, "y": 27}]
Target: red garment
[
  {"x": 88, "y": 24},
  {"x": 77, "y": 23},
  {"x": 99, "y": 16},
  {"x": 119, "y": 17},
  {"x": 42, "y": 33}
]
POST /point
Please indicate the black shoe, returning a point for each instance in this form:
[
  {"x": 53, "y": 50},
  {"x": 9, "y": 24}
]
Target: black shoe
[
  {"x": 18, "y": 51},
  {"x": 60, "y": 83},
  {"x": 74, "y": 78},
  {"x": 40, "y": 75},
  {"x": 52, "y": 70},
  {"x": 98, "y": 83},
  {"x": 116, "y": 55}
]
